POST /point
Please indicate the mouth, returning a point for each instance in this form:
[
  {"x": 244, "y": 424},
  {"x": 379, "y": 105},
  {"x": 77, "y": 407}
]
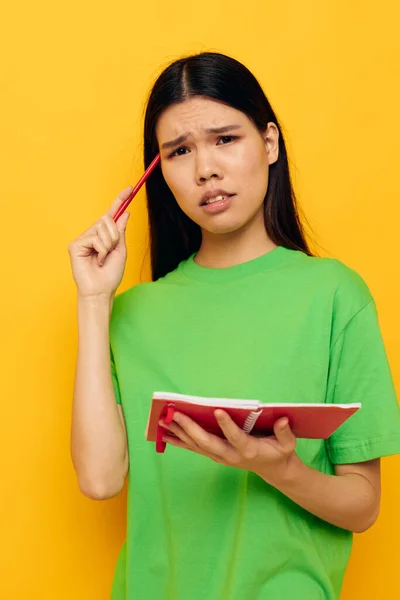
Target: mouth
[
  {"x": 214, "y": 195},
  {"x": 217, "y": 203},
  {"x": 219, "y": 198}
]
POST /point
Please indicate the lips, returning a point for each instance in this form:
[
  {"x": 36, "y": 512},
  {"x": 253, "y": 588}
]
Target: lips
[{"x": 212, "y": 195}]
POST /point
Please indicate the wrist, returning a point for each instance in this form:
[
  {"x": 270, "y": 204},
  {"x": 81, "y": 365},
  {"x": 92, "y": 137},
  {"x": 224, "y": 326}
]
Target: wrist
[
  {"x": 96, "y": 301},
  {"x": 284, "y": 475}
]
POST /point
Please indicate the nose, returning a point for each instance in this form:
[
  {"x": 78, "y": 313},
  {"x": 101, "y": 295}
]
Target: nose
[{"x": 207, "y": 167}]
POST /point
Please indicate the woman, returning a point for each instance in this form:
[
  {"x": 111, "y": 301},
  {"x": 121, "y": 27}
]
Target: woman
[{"x": 238, "y": 307}]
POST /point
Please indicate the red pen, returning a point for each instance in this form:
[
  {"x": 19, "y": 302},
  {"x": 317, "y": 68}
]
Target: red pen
[{"x": 137, "y": 187}]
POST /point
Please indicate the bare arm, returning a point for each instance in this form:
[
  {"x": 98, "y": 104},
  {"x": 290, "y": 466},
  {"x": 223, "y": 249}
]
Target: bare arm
[
  {"x": 98, "y": 436},
  {"x": 99, "y": 447},
  {"x": 350, "y": 499}
]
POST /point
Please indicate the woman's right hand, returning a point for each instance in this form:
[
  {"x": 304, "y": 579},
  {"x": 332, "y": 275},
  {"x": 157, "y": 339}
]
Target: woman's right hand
[{"x": 98, "y": 256}]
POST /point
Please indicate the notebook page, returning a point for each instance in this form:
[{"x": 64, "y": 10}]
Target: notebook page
[{"x": 202, "y": 400}]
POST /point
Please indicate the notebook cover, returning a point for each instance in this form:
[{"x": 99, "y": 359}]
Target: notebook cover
[{"x": 307, "y": 421}]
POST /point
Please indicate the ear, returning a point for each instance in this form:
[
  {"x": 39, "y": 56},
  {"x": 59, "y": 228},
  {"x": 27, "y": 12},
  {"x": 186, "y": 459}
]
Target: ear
[{"x": 271, "y": 139}]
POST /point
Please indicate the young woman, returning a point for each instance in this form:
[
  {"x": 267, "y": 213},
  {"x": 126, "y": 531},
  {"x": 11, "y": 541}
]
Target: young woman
[{"x": 238, "y": 307}]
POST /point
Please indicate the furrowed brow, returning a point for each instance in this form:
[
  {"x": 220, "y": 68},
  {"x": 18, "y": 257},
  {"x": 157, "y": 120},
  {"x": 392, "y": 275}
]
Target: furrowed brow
[
  {"x": 182, "y": 138},
  {"x": 174, "y": 142}
]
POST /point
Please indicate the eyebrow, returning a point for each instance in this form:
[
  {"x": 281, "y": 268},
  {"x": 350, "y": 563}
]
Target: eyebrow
[{"x": 214, "y": 130}]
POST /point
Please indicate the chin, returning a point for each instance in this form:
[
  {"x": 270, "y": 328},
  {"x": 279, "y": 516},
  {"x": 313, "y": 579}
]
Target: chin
[{"x": 229, "y": 226}]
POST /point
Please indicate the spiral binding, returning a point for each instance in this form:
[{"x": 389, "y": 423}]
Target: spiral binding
[{"x": 251, "y": 420}]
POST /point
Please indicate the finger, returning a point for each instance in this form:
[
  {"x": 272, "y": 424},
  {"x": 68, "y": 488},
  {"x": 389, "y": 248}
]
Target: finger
[
  {"x": 112, "y": 229},
  {"x": 122, "y": 196},
  {"x": 122, "y": 221},
  {"x": 109, "y": 233},
  {"x": 104, "y": 235},
  {"x": 121, "y": 225},
  {"x": 173, "y": 441},
  {"x": 285, "y": 435},
  {"x": 178, "y": 432},
  {"x": 115, "y": 238},
  {"x": 87, "y": 245},
  {"x": 116, "y": 229},
  {"x": 97, "y": 244},
  {"x": 206, "y": 441},
  {"x": 242, "y": 442}
]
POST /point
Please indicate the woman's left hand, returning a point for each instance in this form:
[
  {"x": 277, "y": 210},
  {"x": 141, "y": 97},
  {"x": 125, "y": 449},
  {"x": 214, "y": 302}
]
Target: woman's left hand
[{"x": 265, "y": 456}]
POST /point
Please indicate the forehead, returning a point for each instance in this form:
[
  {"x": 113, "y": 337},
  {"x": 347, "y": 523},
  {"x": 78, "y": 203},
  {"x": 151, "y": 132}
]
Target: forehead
[{"x": 195, "y": 115}]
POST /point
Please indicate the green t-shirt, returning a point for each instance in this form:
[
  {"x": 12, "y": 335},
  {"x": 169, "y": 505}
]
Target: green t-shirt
[{"x": 283, "y": 327}]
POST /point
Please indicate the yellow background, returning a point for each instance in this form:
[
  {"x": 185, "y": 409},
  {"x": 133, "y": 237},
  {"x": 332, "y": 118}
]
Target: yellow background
[{"x": 74, "y": 79}]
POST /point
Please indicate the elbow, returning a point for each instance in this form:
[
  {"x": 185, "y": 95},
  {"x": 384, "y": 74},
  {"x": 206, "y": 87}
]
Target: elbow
[
  {"x": 96, "y": 491},
  {"x": 102, "y": 486},
  {"x": 367, "y": 522}
]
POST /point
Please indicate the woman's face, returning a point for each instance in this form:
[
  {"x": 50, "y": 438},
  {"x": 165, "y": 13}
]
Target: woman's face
[{"x": 216, "y": 162}]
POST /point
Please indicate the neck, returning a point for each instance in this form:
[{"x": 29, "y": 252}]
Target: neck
[{"x": 229, "y": 249}]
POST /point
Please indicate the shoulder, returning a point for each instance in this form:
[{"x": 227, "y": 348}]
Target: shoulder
[
  {"x": 129, "y": 309},
  {"x": 337, "y": 287},
  {"x": 343, "y": 279},
  {"x": 350, "y": 286},
  {"x": 342, "y": 287},
  {"x": 129, "y": 300},
  {"x": 331, "y": 273}
]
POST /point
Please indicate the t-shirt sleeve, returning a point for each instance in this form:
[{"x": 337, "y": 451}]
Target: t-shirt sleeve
[
  {"x": 359, "y": 372},
  {"x": 114, "y": 378}
]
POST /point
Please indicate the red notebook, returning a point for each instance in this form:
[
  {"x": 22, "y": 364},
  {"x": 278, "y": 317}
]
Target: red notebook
[{"x": 316, "y": 421}]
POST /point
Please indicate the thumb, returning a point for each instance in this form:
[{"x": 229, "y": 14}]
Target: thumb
[
  {"x": 121, "y": 226},
  {"x": 285, "y": 435},
  {"x": 122, "y": 222}
]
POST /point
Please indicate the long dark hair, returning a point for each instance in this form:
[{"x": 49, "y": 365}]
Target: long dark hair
[{"x": 173, "y": 236}]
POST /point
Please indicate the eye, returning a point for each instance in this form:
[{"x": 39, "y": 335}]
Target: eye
[
  {"x": 178, "y": 152},
  {"x": 225, "y": 139}
]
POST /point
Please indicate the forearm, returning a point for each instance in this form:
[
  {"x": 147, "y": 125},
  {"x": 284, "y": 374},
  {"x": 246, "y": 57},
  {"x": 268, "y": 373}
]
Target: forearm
[
  {"x": 98, "y": 440},
  {"x": 347, "y": 501}
]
